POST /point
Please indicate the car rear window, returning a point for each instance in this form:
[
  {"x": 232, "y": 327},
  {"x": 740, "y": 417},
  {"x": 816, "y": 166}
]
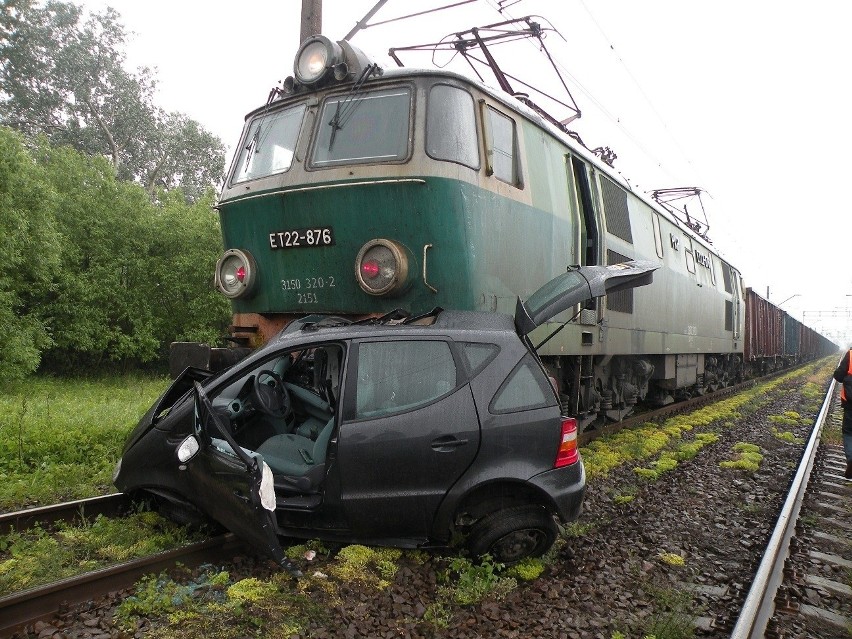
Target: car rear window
[
  {"x": 525, "y": 388},
  {"x": 478, "y": 356}
]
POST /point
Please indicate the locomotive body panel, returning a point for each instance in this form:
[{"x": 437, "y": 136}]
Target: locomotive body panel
[{"x": 478, "y": 200}]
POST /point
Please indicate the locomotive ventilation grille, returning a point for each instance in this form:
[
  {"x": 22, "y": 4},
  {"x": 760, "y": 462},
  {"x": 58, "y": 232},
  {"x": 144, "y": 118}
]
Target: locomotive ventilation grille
[
  {"x": 615, "y": 207},
  {"x": 620, "y": 301}
]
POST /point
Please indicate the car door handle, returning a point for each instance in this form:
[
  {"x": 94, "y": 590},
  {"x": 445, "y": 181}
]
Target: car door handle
[{"x": 447, "y": 443}]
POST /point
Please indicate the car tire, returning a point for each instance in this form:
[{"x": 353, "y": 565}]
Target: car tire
[{"x": 513, "y": 534}]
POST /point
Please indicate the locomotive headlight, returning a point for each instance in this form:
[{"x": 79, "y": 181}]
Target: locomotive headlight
[
  {"x": 236, "y": 273},
  {"x": 381, "y": 267},
  {"x": 315, "y": 57}
]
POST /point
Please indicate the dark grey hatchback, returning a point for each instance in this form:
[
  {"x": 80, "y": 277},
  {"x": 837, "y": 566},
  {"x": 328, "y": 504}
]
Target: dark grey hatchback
[{"x": 404, "y": 431}]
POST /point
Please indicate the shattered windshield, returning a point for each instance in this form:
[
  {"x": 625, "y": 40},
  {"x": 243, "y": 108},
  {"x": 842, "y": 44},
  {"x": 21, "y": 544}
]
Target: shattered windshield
[
  {"x": 367, "y": 127},
  {"x": 269, "y": 144}
]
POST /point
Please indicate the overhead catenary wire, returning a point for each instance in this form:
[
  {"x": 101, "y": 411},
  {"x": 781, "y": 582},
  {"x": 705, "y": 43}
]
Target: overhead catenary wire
[
  {"x": 639, "y": 87},
  {"x": 496, "y": 5}
]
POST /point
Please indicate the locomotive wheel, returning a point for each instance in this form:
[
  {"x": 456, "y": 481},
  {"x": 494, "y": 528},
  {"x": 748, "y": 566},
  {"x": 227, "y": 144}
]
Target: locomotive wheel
[{"x": 513, "y": 534}]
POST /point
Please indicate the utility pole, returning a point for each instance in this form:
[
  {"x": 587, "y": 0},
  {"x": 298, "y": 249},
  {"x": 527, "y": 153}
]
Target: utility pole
[{"x": 311, "y": 19}]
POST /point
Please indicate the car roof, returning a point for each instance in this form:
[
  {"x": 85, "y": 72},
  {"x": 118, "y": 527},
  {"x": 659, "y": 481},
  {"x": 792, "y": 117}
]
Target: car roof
[{"x": 447, "y": 322}]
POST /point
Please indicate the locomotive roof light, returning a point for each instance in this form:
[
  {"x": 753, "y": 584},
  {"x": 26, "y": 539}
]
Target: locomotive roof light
[
  {"x": 381, "y": 267},
  {"x": 316, "y": 57},
  {"x": 320, "y": 61},
  {"x": 236, "y": 274}
]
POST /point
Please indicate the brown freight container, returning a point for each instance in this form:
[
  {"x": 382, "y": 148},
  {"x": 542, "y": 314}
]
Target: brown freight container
[{"x": 764, "y": 330}]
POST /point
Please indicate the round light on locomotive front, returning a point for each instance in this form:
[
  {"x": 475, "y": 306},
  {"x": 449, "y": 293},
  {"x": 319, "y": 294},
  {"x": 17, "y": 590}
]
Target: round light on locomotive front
[
  {"x": 235, "y": 273},
  {"x": 315, "y": 57},
  {"x": 381, "y": 267},
  {"x": 370, "y": 269}
]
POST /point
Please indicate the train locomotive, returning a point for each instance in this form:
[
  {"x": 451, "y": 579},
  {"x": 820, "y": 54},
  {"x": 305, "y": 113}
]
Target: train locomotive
[{"x": 357, "y": 190}]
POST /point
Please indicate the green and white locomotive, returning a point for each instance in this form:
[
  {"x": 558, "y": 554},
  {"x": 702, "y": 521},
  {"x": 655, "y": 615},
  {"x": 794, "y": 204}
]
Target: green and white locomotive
[{"x": 356, "y": 190}]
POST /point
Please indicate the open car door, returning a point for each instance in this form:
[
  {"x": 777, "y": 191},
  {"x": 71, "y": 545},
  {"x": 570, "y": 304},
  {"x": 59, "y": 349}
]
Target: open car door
[
  {"x": 576, "y": 286},
  {"x": 233, "y": 486}
]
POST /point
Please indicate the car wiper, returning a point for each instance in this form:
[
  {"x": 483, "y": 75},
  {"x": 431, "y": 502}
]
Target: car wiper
[{"x": 346, "y": 107}]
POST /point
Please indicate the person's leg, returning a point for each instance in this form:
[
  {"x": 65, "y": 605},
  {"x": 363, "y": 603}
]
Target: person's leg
[{"x": 847, "y": 440}]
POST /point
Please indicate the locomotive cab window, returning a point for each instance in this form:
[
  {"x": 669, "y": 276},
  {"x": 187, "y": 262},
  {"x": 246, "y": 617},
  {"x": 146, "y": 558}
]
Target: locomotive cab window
[
  {"x": 269, "y": 144},
  {"x": 451, "y": 126},
  {"x": 363, "y": 128},
  {"x": 501, "y": 141}
]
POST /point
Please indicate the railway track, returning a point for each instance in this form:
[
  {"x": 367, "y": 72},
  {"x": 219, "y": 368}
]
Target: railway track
[
  {"x": 803, "y": 586},
  {"x": 808, "y": 572},
  {"x": 40, "y": 603},
  {"x": 46, "y": 516}
]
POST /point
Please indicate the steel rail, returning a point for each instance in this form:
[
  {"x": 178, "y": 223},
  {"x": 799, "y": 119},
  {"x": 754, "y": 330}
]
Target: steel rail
[
  {"x": 109, "y": 505},
  {"x": 760, "y": 601},
  {"x": 23, "y": 608}
]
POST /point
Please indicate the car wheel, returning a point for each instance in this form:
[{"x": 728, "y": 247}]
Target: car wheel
[{"x": 513, "y": 534}]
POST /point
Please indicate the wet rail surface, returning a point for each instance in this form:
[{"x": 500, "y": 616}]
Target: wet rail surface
[
  {"x": 45, "y": 516},
  {"x": 803, "y": 586}
]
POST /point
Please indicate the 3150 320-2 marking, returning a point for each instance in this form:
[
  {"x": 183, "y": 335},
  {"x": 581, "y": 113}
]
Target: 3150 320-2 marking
[{"x": 306, "y": 287}]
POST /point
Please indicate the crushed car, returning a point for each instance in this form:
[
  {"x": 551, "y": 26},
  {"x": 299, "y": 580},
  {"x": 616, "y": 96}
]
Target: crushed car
[{"x": 399, "y": 430}]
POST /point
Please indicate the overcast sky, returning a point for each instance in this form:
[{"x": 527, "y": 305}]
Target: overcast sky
[{"x": 747, "y": 99}]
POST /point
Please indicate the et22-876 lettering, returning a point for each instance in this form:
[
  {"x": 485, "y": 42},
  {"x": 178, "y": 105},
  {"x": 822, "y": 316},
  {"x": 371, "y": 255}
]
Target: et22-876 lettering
[{"x": 306, "y": 288}]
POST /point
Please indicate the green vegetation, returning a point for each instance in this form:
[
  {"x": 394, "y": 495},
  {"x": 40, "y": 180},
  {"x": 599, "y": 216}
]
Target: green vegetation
[
  {"x": 60, "y": 439},
  {"x": 373, "y": 567},
  {"x": 36, "y": 556},
  {"x": 748, "y": 458},
  {"x": 96, "y": 273},
  {"x": 214, "y": 605},
  {"x": 466, "y": 583},
  {"x": 649, "y": 440},
  {"x": 106, "y": 226},
  {"x": 787, "y": 436},
  {"x": 64, "y": 76},
  {"x": 672, "y": 559}
]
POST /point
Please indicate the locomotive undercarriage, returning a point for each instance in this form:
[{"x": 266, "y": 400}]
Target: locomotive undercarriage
[{"x": 608, "y": 388}]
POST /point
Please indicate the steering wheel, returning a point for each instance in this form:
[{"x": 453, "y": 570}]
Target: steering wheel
[{"x": 271, "y": 399}]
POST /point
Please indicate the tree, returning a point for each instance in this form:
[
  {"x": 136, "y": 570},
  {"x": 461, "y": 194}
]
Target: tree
[
  {"x": 181, "y": 153},
  {"x": 134, "y": 275},
  {"x": 30, "y": 246},
  {"x": 63, "y": 75}
]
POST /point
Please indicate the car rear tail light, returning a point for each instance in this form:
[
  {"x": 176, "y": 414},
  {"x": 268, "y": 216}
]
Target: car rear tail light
[
  {"x": 381, "y": 267},
  {"x": 236, "y": 273},
  {"x": 568, "y": 452}
]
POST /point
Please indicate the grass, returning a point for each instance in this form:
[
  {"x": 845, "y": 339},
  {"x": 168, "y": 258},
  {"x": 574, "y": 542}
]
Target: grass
[
  {"x": 217, "y": 606},
  {"x": 35, "y": 556},
  {"x": 747, "y": 457},
  {"x": 61, "y": 438},
  {"x": 661, "y": 443}
]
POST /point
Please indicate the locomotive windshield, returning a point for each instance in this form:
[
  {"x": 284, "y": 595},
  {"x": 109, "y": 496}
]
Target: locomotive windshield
[
  {"x": 368, "y": 127},
  {"x": 268, "y": 147}
]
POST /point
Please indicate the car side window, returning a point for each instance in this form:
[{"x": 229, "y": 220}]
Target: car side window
[
  {"x": 525, "y": 388},
  {"x": 478, "y": 356},
  {"x": 397, "y": 376}
]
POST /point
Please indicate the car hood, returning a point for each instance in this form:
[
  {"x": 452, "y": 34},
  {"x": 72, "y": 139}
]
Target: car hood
[{"x": 577, "y": 285}]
